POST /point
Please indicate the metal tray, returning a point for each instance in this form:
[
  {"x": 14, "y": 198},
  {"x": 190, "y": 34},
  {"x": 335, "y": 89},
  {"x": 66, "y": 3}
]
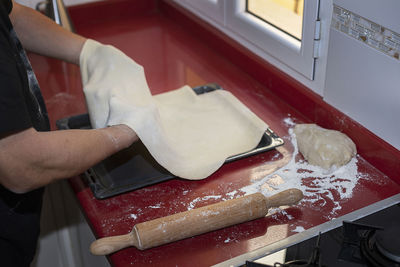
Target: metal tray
[{"x": 134, "y": 167}]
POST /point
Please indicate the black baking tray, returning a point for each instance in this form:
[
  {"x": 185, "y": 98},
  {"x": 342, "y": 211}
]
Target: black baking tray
[{"x": 134, "y": 167}]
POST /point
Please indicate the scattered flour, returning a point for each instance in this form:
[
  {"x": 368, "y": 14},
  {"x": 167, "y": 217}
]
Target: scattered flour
[
  {"x": 276, "y": 156},
  {"x": 284, "y": 212},
  {"x": 289, "y": 122},
  {"x": 319, "y": 186},
  {"x": 227, "y": 240},
  {"x": 232, "y": 194},
  {"x": 298, "y": 229},
  {"x": 192, "y": 204}
]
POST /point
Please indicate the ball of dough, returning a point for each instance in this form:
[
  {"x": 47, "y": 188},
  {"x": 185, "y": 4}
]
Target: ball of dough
[{"x": 323, "y": 147}]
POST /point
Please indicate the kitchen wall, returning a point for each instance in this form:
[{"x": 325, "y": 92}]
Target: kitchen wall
[{"x": 363, "y": 66}]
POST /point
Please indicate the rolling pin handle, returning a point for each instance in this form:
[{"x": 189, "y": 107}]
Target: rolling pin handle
[{"x": 111, "y": 244}]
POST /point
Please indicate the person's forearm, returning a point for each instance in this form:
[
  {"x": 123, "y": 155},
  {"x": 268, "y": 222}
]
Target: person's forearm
[
  {"x": 31, "y": 159},
  {"x": 41, "y": 35}
]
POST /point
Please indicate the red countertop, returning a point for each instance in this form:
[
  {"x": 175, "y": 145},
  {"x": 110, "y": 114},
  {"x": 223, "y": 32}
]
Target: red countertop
[{"x": 176, "y": 50}]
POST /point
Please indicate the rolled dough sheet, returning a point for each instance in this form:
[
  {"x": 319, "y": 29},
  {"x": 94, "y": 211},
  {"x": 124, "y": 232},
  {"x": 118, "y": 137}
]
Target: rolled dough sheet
[{"x": 190, "y": 135}]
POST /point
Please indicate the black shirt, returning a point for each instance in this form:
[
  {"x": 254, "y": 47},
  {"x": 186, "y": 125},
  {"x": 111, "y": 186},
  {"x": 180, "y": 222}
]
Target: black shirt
[
  {"x": 21, "y": 103},
  {"x": 21, "y": 107}
]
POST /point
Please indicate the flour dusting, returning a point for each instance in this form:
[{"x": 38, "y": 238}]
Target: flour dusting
[
  {"x": 319, "y": 185},
  {"x": 289, "y": 122},
  {"x": 227, "y": 240},
  {"x": 299, "y": 229},
  {"x": 322, "y": 189},
  {"x": 192, "y": 204}
]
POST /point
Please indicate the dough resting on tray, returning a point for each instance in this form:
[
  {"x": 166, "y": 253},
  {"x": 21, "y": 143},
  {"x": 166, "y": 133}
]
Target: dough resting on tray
[{"x": 190, "y": 135}]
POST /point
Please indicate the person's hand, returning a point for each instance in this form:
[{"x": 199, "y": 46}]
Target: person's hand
[
  {"x": 121, "y": 135},
  {"x": 110, "y": 77}
]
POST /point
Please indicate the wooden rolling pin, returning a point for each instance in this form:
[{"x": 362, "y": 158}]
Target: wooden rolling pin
[{"x": 194, "y": 222}]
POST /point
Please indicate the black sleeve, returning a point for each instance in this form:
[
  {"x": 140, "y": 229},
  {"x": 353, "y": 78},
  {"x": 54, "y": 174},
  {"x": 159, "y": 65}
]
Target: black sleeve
[
  {"x": 7, "y": 4},
  {"x": 14, "y": 113}
]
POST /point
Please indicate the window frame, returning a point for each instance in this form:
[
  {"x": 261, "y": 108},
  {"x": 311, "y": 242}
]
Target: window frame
[
  {"x": 298, "y": 55},
  {"x": 316, "y": 82},
  {"x": 213, "y": 9}
]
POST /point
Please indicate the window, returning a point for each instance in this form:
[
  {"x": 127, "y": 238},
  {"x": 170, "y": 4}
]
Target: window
[
  {"x": 284, "y": 32},
  {"x": 296, "y": 53},
  {"x": 286, "y": 15}
]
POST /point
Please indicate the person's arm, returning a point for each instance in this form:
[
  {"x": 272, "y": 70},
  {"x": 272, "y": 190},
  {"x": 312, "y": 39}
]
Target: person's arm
[
  {"x": 41, "y": 35},
  {"x": 31, "y": 159}
]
